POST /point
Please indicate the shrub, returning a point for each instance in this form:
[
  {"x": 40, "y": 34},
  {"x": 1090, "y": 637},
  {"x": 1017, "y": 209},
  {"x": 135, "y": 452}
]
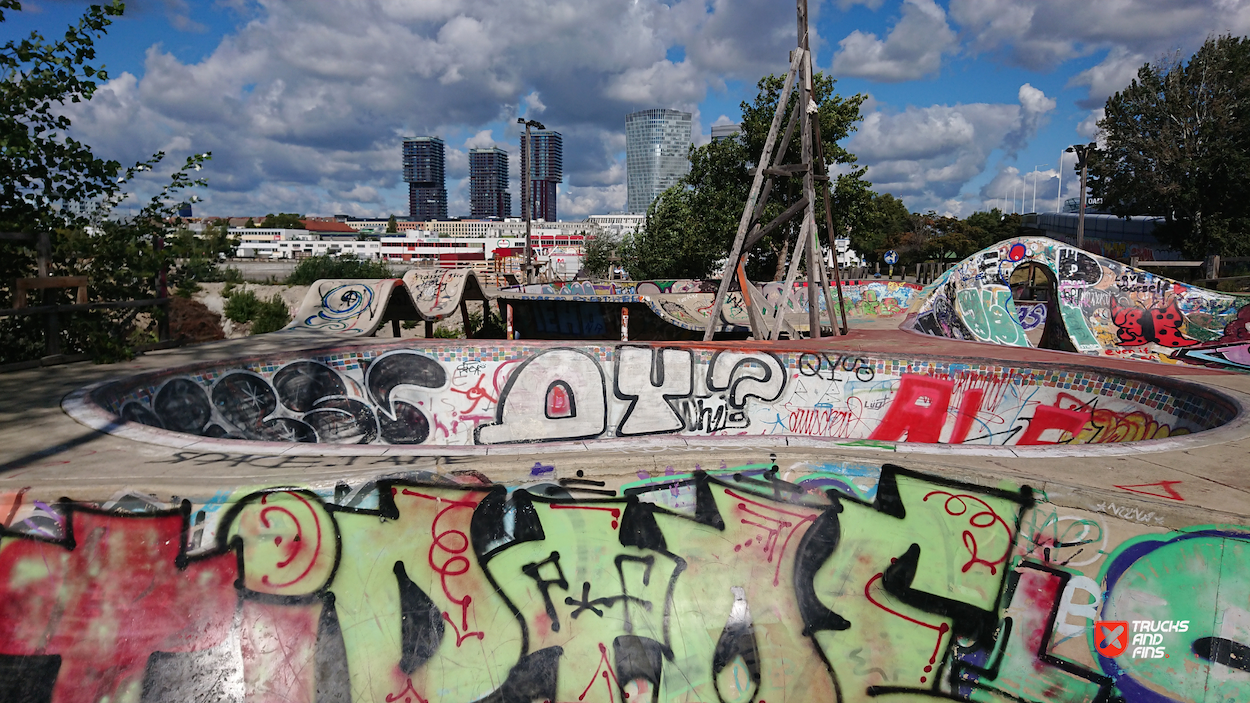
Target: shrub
[
  {"x": 241, "y": 306},
  {"x": 271, "y": 315},
  {"x": 315, "y": 268},
  {"x": 265, "y": 315},
  {"x": 446, "y": 333}
]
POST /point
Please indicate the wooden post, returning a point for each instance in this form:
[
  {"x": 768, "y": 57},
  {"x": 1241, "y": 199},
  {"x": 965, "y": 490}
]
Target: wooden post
[
  {"x": 429, "y": 329},
  {"x": 52, "y": 322},
  {"x": 395, "y": 327},
  {"x": 162, "y": 291},
  {"x": 757, "y": 183}
]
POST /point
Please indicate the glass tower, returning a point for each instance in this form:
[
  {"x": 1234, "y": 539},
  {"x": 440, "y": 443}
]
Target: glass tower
[
  {"x": 657, "y": 145},
  {"x": 488, "y": 183},
  {"x": 546, "y": 169},
  {"x": 423, "y": 172}
]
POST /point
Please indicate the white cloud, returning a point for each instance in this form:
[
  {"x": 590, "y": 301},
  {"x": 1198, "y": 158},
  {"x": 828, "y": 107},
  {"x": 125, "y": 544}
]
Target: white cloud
[
  {"x": 482, "y": 140},
  {"x": 913, "y": 49},
  {"x": 1114, "y": 74},
  {"x": 1041, "y": 34},
  {"x": 304, "y": 105},
  {"x": 534, "y": 104},
  {"x": 1088, "y": 127},
  {"x": 926, "y": 155}
]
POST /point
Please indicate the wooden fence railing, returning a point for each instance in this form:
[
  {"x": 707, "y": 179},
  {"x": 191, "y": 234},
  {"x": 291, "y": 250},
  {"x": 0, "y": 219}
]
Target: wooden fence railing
[{"x": 52, "y": 313}]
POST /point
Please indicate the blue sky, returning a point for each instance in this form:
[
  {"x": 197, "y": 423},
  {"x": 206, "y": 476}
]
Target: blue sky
[{"x": 304, "y": 103}]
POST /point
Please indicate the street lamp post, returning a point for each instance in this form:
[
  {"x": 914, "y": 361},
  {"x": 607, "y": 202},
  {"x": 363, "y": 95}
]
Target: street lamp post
[
  {"x": 1059, "y": 193},
  {"x": 527, "y": 197},
  {"x": 1082, "y": 152},
  {"x": 1035, "y": 187}
]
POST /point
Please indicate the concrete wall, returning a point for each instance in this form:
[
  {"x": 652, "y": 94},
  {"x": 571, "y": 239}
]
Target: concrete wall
[
  {"x": 1106, "y": 308},
  {"x": 829, "y": 581},
  {"x": 454, "y": 395}
]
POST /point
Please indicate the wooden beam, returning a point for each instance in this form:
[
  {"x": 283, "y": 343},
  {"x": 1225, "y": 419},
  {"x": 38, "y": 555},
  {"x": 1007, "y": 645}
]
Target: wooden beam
[{"x": 735, "y": 252}]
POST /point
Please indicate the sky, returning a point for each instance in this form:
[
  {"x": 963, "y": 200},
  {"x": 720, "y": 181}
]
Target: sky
[{"x": 304, "y": 103}]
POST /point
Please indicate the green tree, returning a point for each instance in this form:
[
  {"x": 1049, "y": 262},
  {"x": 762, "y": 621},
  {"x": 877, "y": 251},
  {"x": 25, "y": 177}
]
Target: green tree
[
  {"x": 691, "y": 227},
  {"x": 392, "y": 226},
  {"x": 285, "y": 220},
  {"x": 43, "y": 173},
  {"x": 50, "y": 182},
  {"x": 994, "y": 226},
  {"x": 598, "y": 250},
  {"x": 884, "y": 222},
  {"x": 1177, "y": 145}
]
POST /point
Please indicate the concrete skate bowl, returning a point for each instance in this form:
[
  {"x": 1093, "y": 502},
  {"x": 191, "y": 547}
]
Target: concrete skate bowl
[
  {"x": 457, "y": 398},
  {"x": 679, "y": 309},
  {"x": 1084, "y": 303}
]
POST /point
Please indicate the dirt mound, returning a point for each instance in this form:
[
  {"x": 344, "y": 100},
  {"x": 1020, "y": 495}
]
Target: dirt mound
[{"x": 193, "y": 321}]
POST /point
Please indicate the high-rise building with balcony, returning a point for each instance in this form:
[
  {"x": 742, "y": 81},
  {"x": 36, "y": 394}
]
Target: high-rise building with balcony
[
  {"x": 488, "y": 183},
  {"x": 546, "y": 170},
  {"x": 657, "y": 154},
  {"x": 423, "y": 172}
]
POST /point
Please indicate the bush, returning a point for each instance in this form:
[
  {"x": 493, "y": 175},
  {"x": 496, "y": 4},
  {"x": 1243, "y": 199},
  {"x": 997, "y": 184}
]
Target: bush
[
  {"x": 242, "y": 306},
  {"x": 271, "y": 316},
  {"x": 265, "y": 315},
  {"x": 315, "y": 268}
]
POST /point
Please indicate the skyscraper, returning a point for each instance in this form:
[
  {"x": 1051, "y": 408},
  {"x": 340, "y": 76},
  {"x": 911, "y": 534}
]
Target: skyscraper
[
  {"x": 546, "y": 169},
  {"x": 724, "y": 131},
  {"x": 488, "y": 183},
  {"x": 423, "y": 172},
  {"x": 657, "y": 144}
]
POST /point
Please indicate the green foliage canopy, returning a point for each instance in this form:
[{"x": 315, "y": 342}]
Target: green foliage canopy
[
  {"x": 1177, "y": 145},
  {"x": 285, "y": 220}
]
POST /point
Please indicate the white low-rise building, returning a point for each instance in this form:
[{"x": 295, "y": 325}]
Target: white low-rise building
[
  {"x": 428, "y": 247},
  {"x": 272, "y": 243}
]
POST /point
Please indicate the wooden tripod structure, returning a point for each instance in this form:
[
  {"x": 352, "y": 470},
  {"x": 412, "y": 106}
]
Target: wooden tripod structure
[{"x": 766, "y": 324}]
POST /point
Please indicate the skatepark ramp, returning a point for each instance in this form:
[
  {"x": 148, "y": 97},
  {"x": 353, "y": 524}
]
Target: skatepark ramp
[
  {"x": 1091, "y": 305},
  {"x": 358, "y": 307}
]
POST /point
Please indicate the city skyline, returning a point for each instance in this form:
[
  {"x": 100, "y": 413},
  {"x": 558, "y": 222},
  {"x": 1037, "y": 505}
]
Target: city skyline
[{"x": 965, "y": 99}]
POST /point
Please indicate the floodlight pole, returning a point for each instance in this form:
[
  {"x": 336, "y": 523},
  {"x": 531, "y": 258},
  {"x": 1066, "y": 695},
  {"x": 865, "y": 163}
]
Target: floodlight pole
[
  {"x": 1082, "y": 152},
  {"x": 527, "y": 195}
]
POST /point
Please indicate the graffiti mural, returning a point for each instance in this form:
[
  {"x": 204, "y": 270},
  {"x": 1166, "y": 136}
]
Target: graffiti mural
[
  {"x": 723, "y": 585},
  {"x": 1106, "y": 308},
  {"x": 345, "y": 306},
  {"x": 459, "y": 396}
]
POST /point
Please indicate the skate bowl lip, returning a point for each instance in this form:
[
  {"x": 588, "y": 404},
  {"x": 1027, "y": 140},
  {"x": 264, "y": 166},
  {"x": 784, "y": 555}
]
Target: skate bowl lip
[{"x": 84, "y": 405}]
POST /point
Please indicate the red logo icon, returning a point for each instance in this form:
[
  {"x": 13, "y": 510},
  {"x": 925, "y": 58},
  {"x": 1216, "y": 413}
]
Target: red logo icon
[{"x": 1110, "y": 637}]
